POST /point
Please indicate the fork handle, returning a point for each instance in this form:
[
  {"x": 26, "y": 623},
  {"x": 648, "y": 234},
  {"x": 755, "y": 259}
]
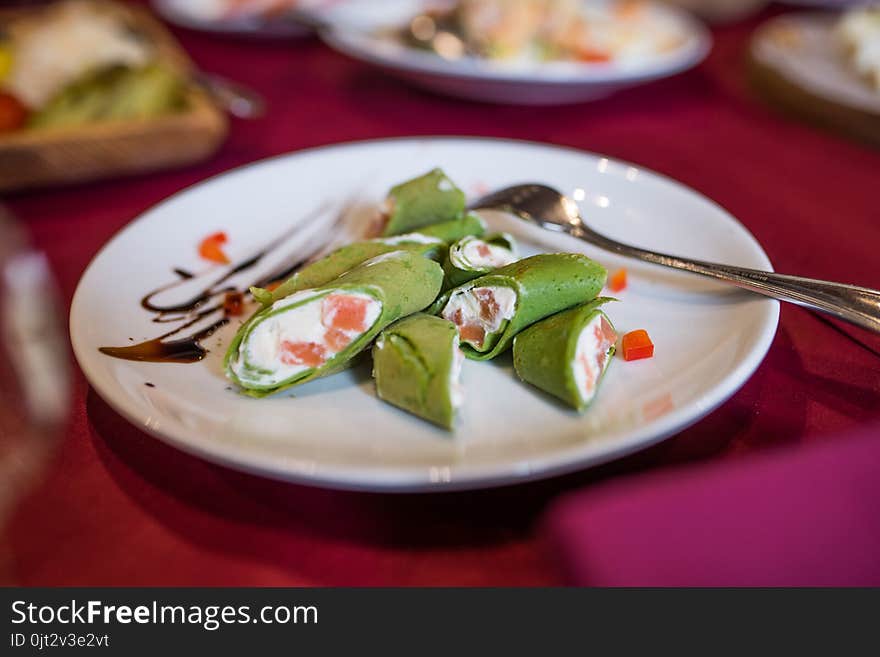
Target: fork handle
[{"x": 852, "y": 303}]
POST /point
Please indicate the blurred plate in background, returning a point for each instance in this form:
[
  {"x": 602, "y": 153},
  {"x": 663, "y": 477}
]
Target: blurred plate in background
[
  {"x": 369, "y": 31},
  {"x": 798, "y": 65},
  {"x": 212, "y": 16}
]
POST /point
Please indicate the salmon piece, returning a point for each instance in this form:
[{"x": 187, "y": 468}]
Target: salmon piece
[
  {"x": 601, "y": 358},
  {"x": 484, "y": 250},
  {"x": 472, "y": 333},
  {"x": 337, "y": 340},
  {"x": 609, "y": 335},
  {"x": 302, "y": 353},
  {"x": 591, "y": 377},
  {"x": 488, "y": 306},
  {"x": 344, "y": 312},
  {"x": 605, "y": 337}
]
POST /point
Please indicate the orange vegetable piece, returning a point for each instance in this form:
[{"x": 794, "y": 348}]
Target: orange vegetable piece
[
  {"x": 617, "y": 282},
  {"x": 629, "y": 9},
  {"x": 593, "y": 55},
  {"x": 344, "y": 312},
  {"x": 211, "y": 248},
  {"x": 637, "y": 345},
  {"x": 302, "y": 353},
  {"x": 13, "y": 114}
]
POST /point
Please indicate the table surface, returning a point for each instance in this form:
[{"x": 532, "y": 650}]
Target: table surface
[{"x": 120, "y": 508}]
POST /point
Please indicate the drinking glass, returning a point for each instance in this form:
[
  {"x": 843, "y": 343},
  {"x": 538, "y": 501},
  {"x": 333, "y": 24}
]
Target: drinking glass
[{"x": 34, "y": 374}]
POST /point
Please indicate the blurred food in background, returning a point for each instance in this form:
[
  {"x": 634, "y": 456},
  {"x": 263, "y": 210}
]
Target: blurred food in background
[
  {"x": 526, "y": 31},
  {"x": 78, "y": 62},
  {"x": 859, "y": 33},
  {"x": 823, "y": 68},
  {"x": 521, "y": 52},
  {"x": 92, "y": 89}
]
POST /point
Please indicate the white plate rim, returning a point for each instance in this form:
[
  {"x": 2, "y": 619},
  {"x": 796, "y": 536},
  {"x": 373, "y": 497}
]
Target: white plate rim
[
  {"x": 232, "y": 28},
  {"x": 412, "y": 60},
  {"x": 461, "y": 476}
]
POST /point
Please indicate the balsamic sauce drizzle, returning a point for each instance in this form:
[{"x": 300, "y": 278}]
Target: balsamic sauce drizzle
[{"x": 188, "y": 347}]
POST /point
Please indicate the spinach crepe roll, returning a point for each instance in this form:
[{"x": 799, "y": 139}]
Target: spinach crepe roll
[
  {"x": 417, "y": 367},
  {"x": 455, "y": 229},
  {"x": 346, "y": 258},
  {"x": 489, "y": 311},
  {"x": 316, "y": 332},
  {"x": 430, "y": 241},
  {"x": 423, "y": 201},
  {"x": 567, "y": 354},
  {"x": 471, "y": 257}
]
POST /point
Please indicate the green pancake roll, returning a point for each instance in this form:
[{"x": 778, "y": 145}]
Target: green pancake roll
[
  {"x": 346, "y": 258},
  {"x": 490, "y": 310},
  {"x": 472, "y": 257},
  {"x": 417, "y": 367},
  {"x": 567, "y": 354},
  {"x": 430, "y": 241},
  {"x": 316, "y": 332},
  {"x": 428, "y": 199},
  {"x": 455, "y": 229}
]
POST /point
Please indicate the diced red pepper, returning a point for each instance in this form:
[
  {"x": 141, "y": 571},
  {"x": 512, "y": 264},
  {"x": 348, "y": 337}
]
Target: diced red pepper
[
  {"x": 233, "y": 304},
  {"x": 617, "y": 282},
  {"x": 593, "y": 55},
  {"x": 637, "y": 345},
  {"x": 628, "y": 9},
  {"x": 13, "y": 114},
  {"x": 211, "y": 248}
]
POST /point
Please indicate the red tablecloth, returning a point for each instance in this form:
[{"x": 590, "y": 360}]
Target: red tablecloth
[{"x": 119, "y": 507}]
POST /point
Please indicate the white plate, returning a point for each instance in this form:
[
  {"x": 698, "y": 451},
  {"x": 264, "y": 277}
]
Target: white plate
[
  {"x": 335, "y": 432},
  {"x": 353, "y": 27},
  {"x": 180, "y": 13}
]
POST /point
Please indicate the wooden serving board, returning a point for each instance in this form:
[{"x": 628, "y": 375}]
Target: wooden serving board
[
  {"x": 53, "y": 156},
  {"x": 796, "y": 65}
]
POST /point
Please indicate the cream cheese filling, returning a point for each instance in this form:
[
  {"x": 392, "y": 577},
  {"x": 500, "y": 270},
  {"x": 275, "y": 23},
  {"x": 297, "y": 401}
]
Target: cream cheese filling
[
  {"x": 288, "y": 343},
  {"x": 592, "y": 355},
  {"x": 480, "y": 311},
  {"x": 456, "y": 390},
  {"x": 484, "y": 255},
  {"x": 408, "y": 238}
]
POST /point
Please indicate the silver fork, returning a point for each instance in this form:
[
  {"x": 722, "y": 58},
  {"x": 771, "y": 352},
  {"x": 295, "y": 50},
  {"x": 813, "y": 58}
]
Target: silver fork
[{"x": 548, "y": 208}]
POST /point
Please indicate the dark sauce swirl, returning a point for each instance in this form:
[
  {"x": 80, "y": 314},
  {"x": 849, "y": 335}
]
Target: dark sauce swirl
[{"x": 187, "y": 347}]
